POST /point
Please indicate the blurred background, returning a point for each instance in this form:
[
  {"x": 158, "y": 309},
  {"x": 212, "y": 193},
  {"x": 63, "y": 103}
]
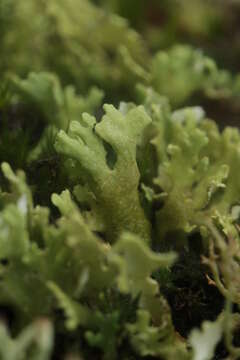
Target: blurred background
[
  {"x": 213, "y": 25},
  {"x": 187, "y": 50}
]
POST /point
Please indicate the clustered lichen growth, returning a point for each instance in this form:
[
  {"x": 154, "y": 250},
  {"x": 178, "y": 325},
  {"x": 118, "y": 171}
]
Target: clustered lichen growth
[{"x": 119, "y": 196}]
